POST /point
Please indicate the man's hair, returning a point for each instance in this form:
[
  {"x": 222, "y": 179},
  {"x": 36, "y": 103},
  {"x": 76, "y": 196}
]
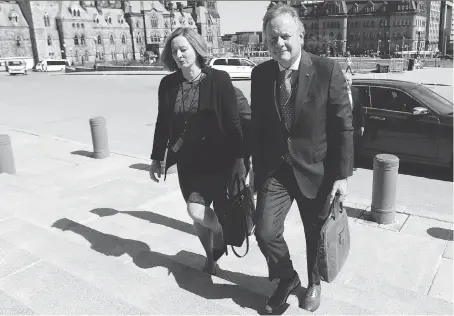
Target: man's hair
[
  {"x": 195, "y": 39},
  {"x": 278, "y": 10}
]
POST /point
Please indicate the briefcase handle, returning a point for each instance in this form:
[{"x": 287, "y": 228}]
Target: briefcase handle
[{"x": 333, "y": 207}]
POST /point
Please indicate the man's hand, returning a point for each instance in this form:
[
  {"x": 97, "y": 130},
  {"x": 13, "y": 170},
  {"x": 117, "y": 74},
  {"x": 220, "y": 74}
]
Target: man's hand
[
  {"x": 155, "y": 170},
  {"x": 341, "y": 187}
]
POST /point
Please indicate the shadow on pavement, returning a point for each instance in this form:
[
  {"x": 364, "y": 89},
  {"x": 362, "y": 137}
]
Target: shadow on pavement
[
  {"x": 441, "y": 233},
  {"x": 413, "y": 169},
  {"x": 140, "y": 166},
  {"x": 84, "y": 153},
  {"x": 151, "y": 217},
  {"x": 187, "y": 278}
]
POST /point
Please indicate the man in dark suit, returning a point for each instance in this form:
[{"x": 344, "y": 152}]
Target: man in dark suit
[
  {"x": 302, "y": 148},
  {"x": 358, "y": 115}
]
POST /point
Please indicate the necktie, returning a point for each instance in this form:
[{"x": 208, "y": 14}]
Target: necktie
[{"x": 285, "y": 90}]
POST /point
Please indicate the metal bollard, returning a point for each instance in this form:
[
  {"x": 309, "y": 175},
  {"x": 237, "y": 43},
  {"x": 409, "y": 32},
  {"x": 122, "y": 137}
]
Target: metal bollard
[
  {"x": 383, "y": 206},
  {"x": 99, "y": 137},
  {"x": 6, "y": 155}
]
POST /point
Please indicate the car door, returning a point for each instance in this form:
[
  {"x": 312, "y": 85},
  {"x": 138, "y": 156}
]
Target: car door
[
  {"x": 247, "y": 67},
  {"x": 235, "y": 68},
  {"x": 394, "y": 129},
  {"x": 220, "y": 64}
]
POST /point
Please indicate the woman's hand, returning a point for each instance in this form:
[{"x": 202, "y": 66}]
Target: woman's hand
[{"x": 155, "y": 170}]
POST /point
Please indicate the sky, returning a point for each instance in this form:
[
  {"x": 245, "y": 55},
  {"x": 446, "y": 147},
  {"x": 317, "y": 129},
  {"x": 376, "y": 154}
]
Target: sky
[{"x": 239, "y": 16}]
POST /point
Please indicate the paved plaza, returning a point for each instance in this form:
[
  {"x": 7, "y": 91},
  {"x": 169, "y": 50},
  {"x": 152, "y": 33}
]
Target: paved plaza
[{"x": 85, "y": 236}]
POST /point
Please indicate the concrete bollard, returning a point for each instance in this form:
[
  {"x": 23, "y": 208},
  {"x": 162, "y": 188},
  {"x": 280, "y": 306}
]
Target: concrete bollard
[
  {"x": 99, "y": 137},
  {"x": 6, "y": 155},
  {"x": 383, "y": 206}
]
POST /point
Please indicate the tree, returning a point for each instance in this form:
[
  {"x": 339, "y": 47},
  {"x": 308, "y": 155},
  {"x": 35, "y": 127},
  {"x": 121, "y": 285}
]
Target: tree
[{"x": 318, "y": 44}]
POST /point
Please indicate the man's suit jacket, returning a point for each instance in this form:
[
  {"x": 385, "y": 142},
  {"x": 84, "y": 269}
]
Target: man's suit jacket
[
  {"x": 358, "y": 116},
  {"x": 320, "y": 140}
]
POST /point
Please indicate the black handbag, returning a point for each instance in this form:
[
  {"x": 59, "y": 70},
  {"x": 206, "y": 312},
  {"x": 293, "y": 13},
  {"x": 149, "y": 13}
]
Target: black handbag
[
  {"x": 239, "y": 211},
  {"x": 334, "y": 243}
]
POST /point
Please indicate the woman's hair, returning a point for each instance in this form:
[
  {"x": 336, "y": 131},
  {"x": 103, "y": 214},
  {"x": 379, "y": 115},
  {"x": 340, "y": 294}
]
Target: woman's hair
[
  {"x": 195, "y": 39},
  {"x": 278, "y": 10}
]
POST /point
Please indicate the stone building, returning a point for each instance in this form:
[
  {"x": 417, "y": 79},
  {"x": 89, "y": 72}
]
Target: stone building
[
  {"x": 15, "y": 38},
  {"x": 362, "y": 27},
  {"x": 208, "y": 21},
  {"x": 151, "y": 23},
  {"x": 96, "y": 31},
  {"x": 433, "y": 25}
]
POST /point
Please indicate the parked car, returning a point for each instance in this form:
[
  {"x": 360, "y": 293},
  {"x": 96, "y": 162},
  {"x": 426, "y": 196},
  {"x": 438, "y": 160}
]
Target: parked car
[
  {"x": 15, "y": 67},
  {"x": 236, "y": 67},
  {"x": 406, "y": 119}
]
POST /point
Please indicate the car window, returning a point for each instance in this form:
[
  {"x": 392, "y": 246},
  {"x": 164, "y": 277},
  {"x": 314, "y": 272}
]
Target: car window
[
  {"x": 392, "y": 99},
  {"x": 364, "y": 98},
  {"x": 245, "y": 62},
  {"x": 436, "y": 101},
  {"x": 219, "y": 62},
  {"x": 233, "y": 62}
]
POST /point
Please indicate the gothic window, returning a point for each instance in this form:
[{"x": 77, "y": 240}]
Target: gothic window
[
  {"x": 49, "y": 41},
  {"x": 78, "y": 13},
  {"x": 166, "y": 24},
  {"x": 97, "y": 20},
  {"x": 74, "y": 25},
  {"x": 82, "y": 25},
  {"x": 137, "y": 24},
  {"x": 154, "y": 21},
  {"x": 112, "y": 39},
  {"x": 78, "y": 25},
  {"x": 99, "y": 39},
  {"x": 356, "y": 24},
  {"x": 109, "y": 20},
  {"x": 82, "y": 40},
  {"x": 331, "y": 34},
  {"x": 46, "y": 20},
  {"x": 74, "y": 12},
  {"x": 123, "y": 39},
  {"x": 76, "y": 40}
]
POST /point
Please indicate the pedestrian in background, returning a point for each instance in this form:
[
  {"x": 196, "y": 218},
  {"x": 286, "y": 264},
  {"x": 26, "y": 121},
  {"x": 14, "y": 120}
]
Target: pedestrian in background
[
  {"x": 198, "y": 125},
  {"x": 302, "y": 148},
  {"x": 349, "y": 64}
]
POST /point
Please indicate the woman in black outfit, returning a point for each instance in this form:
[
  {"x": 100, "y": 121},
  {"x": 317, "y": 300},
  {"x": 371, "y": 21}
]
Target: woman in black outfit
[{"x": 198, "y": 125}]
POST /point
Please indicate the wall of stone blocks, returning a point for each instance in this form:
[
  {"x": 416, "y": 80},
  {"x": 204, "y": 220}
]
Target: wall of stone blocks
[{"x": 8, "y": 44}]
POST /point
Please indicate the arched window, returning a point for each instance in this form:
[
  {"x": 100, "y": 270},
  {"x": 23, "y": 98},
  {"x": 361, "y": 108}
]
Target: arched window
[
  {"x": 49, "y": 40},
  {"x": 46, "y": 20},
  {"x": 372, "y": 24},
  {"x": 112, "y": 39},
  {"x": 76, "y": 40},
  {"x": 82, "y": 40},
  {"x": 82, "y": 25},
  {"x": 97, "y": 20},
  {"x": 331, "y": 35},
  {"x": 78, "y": 13},
  {"x": 137, "y": 24},
  {"x": 78, "y": 25},
  {"x": 110, "y": 20},
  {"x": 123, "y": 39},
  {"x": 154, "y": 21},
  {"x": 74, "y": 12},
  {"x": 99, "y": 39},
  {"x": 356, "y": 24},
  {"x": 74, "y": 25}
]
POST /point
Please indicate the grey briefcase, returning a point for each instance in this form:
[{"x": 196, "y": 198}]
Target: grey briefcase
[{"x": 334, "y": 243}]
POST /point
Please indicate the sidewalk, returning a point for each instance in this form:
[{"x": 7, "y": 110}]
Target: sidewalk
[{"x": 86, "y": 236}]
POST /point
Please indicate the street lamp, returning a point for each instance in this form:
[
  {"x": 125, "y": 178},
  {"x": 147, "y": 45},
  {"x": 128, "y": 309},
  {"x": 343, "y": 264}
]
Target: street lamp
[{"x": 419, "y": 40}]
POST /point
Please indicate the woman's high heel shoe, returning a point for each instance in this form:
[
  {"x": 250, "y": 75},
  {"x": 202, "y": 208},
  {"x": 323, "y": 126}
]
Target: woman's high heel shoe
[{"x": 217, "y": 253}]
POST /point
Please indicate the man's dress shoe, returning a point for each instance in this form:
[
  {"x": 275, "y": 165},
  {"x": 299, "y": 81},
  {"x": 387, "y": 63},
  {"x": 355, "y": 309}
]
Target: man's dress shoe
[{"x": 312, "y": 298}]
